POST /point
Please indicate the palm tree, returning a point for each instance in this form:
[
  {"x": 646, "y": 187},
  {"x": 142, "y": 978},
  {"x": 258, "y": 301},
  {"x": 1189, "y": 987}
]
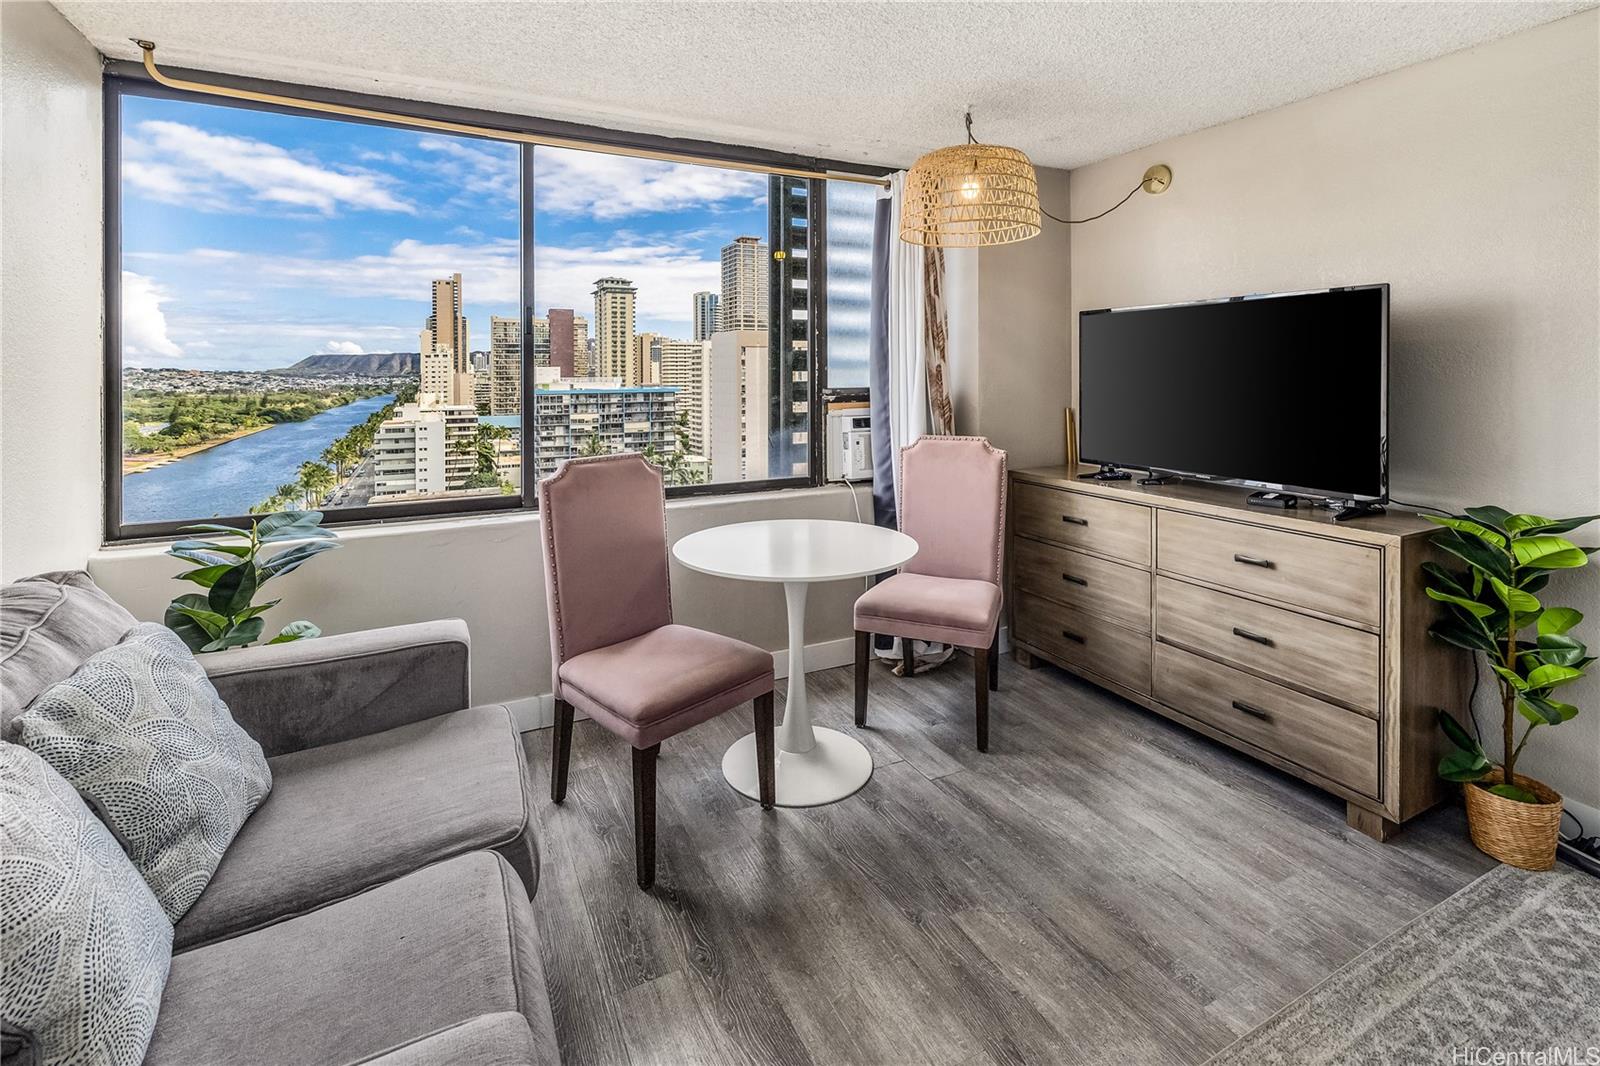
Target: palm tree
[{"x": 316, "y": 479}]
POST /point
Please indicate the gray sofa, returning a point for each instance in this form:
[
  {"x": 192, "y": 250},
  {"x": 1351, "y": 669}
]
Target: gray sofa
[{"x": 375, "y": 908}]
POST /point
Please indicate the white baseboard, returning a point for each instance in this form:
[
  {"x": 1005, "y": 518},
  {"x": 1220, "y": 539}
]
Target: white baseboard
[{"x": 539, "y": 712}]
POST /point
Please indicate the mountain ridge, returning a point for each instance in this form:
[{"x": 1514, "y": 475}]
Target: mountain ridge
[{"x": 369, "y": 364}]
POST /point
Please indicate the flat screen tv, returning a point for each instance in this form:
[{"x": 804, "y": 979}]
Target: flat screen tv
[{"x": 1285, "y": 392}]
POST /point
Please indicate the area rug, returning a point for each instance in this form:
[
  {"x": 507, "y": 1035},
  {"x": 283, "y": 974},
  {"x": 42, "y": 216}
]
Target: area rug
[{"x": 1508, "y": 966}]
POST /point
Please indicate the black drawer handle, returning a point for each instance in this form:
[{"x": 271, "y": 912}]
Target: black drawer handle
[
  {"x": 1257, "y": 637},
  {"x": 1075, "y": 520},
  {"x": 1253, "y": 712},
  {"x": 1072, "y": 636},
  {"x": 1251, "y": 560},
  {"x": 1075, "y": 579}
]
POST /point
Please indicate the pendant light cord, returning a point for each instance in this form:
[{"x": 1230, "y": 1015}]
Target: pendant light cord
[
  {"x": 1056, "y": 218},
  {"x": 1091, "y": 218}
]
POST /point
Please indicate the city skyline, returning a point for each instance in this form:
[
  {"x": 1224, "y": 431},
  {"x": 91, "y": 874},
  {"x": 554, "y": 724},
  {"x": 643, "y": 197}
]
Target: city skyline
[{"x": 254, "y": 239}]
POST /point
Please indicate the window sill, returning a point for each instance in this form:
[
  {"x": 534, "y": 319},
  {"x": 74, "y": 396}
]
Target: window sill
[{"x": 493, "y": 520}]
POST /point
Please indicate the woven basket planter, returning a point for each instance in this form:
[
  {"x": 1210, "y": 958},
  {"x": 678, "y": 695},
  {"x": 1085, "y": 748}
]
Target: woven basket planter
[{"x": 1519, "y": 834}]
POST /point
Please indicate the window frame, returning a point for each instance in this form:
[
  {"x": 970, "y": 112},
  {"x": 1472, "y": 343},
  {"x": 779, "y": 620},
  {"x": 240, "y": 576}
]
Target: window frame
[{"x": 123, "y": 78}]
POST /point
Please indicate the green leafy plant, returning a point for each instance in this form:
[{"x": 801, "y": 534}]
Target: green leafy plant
[
  {"x": 1494, "y": 608},
  {"x": 223, "y": 616}
]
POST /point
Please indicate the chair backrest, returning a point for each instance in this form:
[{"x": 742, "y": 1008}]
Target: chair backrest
[
  {"x": 953, "y": 504},
  {"x": 605, "y": 553}
]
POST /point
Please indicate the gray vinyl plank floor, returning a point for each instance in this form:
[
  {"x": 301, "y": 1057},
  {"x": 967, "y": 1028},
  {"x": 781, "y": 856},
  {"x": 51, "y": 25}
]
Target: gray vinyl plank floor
[{"x": 1101, "y": 886}]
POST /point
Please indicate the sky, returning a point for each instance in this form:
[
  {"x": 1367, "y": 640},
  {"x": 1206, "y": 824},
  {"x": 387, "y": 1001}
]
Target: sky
[{"x": 253, "y": 239}]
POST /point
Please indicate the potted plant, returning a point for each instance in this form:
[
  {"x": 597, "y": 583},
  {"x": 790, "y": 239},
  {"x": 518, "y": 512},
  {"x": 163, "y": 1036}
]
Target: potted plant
[
  {"x": 224, "y": 617},
  {"x": 1493, "y": 607}
]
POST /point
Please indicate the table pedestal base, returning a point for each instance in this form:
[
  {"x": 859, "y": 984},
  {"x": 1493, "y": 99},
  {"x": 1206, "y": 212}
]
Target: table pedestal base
[{"x": 836, "y": 766}]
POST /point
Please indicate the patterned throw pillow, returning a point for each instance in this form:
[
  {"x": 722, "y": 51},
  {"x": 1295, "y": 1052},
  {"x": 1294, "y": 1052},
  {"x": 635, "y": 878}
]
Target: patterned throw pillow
[
  {"x": 141, "y": 732},
  {"x": 84, "y": 946}
]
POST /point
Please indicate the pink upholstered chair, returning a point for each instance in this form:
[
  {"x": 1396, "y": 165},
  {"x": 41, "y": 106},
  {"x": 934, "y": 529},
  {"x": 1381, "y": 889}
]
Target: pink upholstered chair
[
  {"x": 616, "y": 653},
  {"x": 953, "y": 503}
]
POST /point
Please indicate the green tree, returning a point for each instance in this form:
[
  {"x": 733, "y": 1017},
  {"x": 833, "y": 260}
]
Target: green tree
[
  {"x": 315, "y": 479},
  {"x": 593, "y": 445}
]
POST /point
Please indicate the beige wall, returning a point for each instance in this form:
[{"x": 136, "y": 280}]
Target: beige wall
[
  {"x": 1469, "y": 183},
  {"x": 50, "y": 293},
  {"x": 1024, "y": 378},
  {"x": 488, "y": 570}
]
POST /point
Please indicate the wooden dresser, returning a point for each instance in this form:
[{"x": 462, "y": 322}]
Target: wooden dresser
[{"x": 1286, "y": 635}]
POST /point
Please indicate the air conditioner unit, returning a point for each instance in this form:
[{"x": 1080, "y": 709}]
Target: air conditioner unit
[{"x": 848, "y": 451}]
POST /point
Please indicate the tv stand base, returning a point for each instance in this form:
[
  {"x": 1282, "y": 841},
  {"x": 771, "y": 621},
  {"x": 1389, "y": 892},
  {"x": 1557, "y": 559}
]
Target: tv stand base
[
  {"x": 1107, "y": 472},
  {"x": 1160, "y": 479}
]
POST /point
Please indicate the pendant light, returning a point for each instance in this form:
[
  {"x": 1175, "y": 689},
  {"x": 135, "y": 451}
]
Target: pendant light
[
  {"x": 976, "y": 195},
  {"x": 970, "y": 195}
]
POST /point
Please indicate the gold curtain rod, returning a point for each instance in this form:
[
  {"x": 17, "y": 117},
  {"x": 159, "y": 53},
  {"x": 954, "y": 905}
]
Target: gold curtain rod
[{"x": 391, "y": 118}]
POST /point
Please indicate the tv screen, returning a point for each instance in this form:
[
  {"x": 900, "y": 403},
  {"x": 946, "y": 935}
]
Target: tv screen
[{"x": 1286, "y": 391}]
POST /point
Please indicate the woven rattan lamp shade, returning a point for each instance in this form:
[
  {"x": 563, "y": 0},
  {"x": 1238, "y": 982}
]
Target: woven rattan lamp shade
[{"x": 970, "y": 196}]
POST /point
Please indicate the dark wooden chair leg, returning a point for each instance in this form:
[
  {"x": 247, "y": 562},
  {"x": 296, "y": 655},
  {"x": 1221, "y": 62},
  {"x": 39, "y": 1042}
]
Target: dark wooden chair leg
[
  {"x": 560, "y": 750},
  {"x": 644, "y": 813},
  {"x": 994, "y": 660},
  {"x": 980, "y": 677},
  {"x": 863, "y": 660},
  {"x": 908, "y": 656},
  {"x": 766, "y": 752}
]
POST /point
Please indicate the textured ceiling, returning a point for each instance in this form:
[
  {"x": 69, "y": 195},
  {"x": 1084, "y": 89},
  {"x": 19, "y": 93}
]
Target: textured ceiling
[{"x": 1068, "y": 83}]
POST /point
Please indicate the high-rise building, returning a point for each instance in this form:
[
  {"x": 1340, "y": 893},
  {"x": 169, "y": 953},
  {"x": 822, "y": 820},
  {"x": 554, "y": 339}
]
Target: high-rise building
[
  {"x": 744, "y": 285},
  {"x": 737, "y": 400},
  {"x": 482, "y": 390},
  {"x": 647, "y": 358},
  {"x": 599, "y": 416},
  {"x": 539, "y": 341},
  {"x": 444, "y": 342},
  {"x": 705, "y": 314},
  {"x": 424, "y": 449},
  {"x": 613, "y": 330},
  {"x": 568, "y": 342},
  {"x": 505, "y": 365},
  {"x": 684, "y": 367}
]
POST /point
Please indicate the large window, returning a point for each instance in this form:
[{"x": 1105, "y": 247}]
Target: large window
[{"x": 377, "y": 322}]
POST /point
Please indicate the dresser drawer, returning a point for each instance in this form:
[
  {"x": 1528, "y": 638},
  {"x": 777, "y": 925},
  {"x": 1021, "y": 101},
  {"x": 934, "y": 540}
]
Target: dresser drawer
[
  {"x": 1336, "y": 578},
  {"x": 1335, "y": 660},
  {"x": 1090, "y": 584},
  {"x": 1078, "y": 520},
  {"x": 1340, "y": 745},
  {"x": 1107, "y": 649}
]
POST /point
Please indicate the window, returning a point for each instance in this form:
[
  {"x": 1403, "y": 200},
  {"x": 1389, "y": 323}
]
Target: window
[{"x": 311, "y": 312}]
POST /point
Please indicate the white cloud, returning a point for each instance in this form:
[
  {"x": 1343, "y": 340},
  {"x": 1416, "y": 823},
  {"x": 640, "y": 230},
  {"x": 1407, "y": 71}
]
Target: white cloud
[
  {"x": 341, "y": 348},
  {"x": 144, "y": 325},
  {"x": 571, "y": 182},
  {"x": 182, "y": 164},
  {"x": 666, "y": 276},
  {"x": 475, "y": 168}
]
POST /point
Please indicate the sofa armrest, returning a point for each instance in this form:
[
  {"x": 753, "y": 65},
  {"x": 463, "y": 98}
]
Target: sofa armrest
[{"x": 308, "y": 693}]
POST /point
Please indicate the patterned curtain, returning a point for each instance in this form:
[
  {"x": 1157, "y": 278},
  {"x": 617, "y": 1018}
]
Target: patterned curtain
[{"x": 936, "y": 329}]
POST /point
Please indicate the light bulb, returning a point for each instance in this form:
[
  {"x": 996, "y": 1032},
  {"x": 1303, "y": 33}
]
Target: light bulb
[{"x": 970, "y": 188}]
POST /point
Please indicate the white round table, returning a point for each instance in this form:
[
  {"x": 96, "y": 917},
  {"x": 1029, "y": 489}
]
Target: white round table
[{"x": 815, "y": 765}]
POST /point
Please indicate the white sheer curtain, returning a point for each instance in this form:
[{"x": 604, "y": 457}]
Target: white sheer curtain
[{"x": 908, "y": 377}]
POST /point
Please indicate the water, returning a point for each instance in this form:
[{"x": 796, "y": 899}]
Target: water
[{"x": 233, "y": 477}]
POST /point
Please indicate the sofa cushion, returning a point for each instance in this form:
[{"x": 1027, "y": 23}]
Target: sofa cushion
[
  {"x": 140, "y": 732},
  {"x": 502, "y": 1039},
  {"x": 84, "y": 946},
  {"x": 347, "y": 816},
  {"x": 371, "y": 973},
  {"x": 660, "y": 683},
  {"x": 49, "y": 625}
]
